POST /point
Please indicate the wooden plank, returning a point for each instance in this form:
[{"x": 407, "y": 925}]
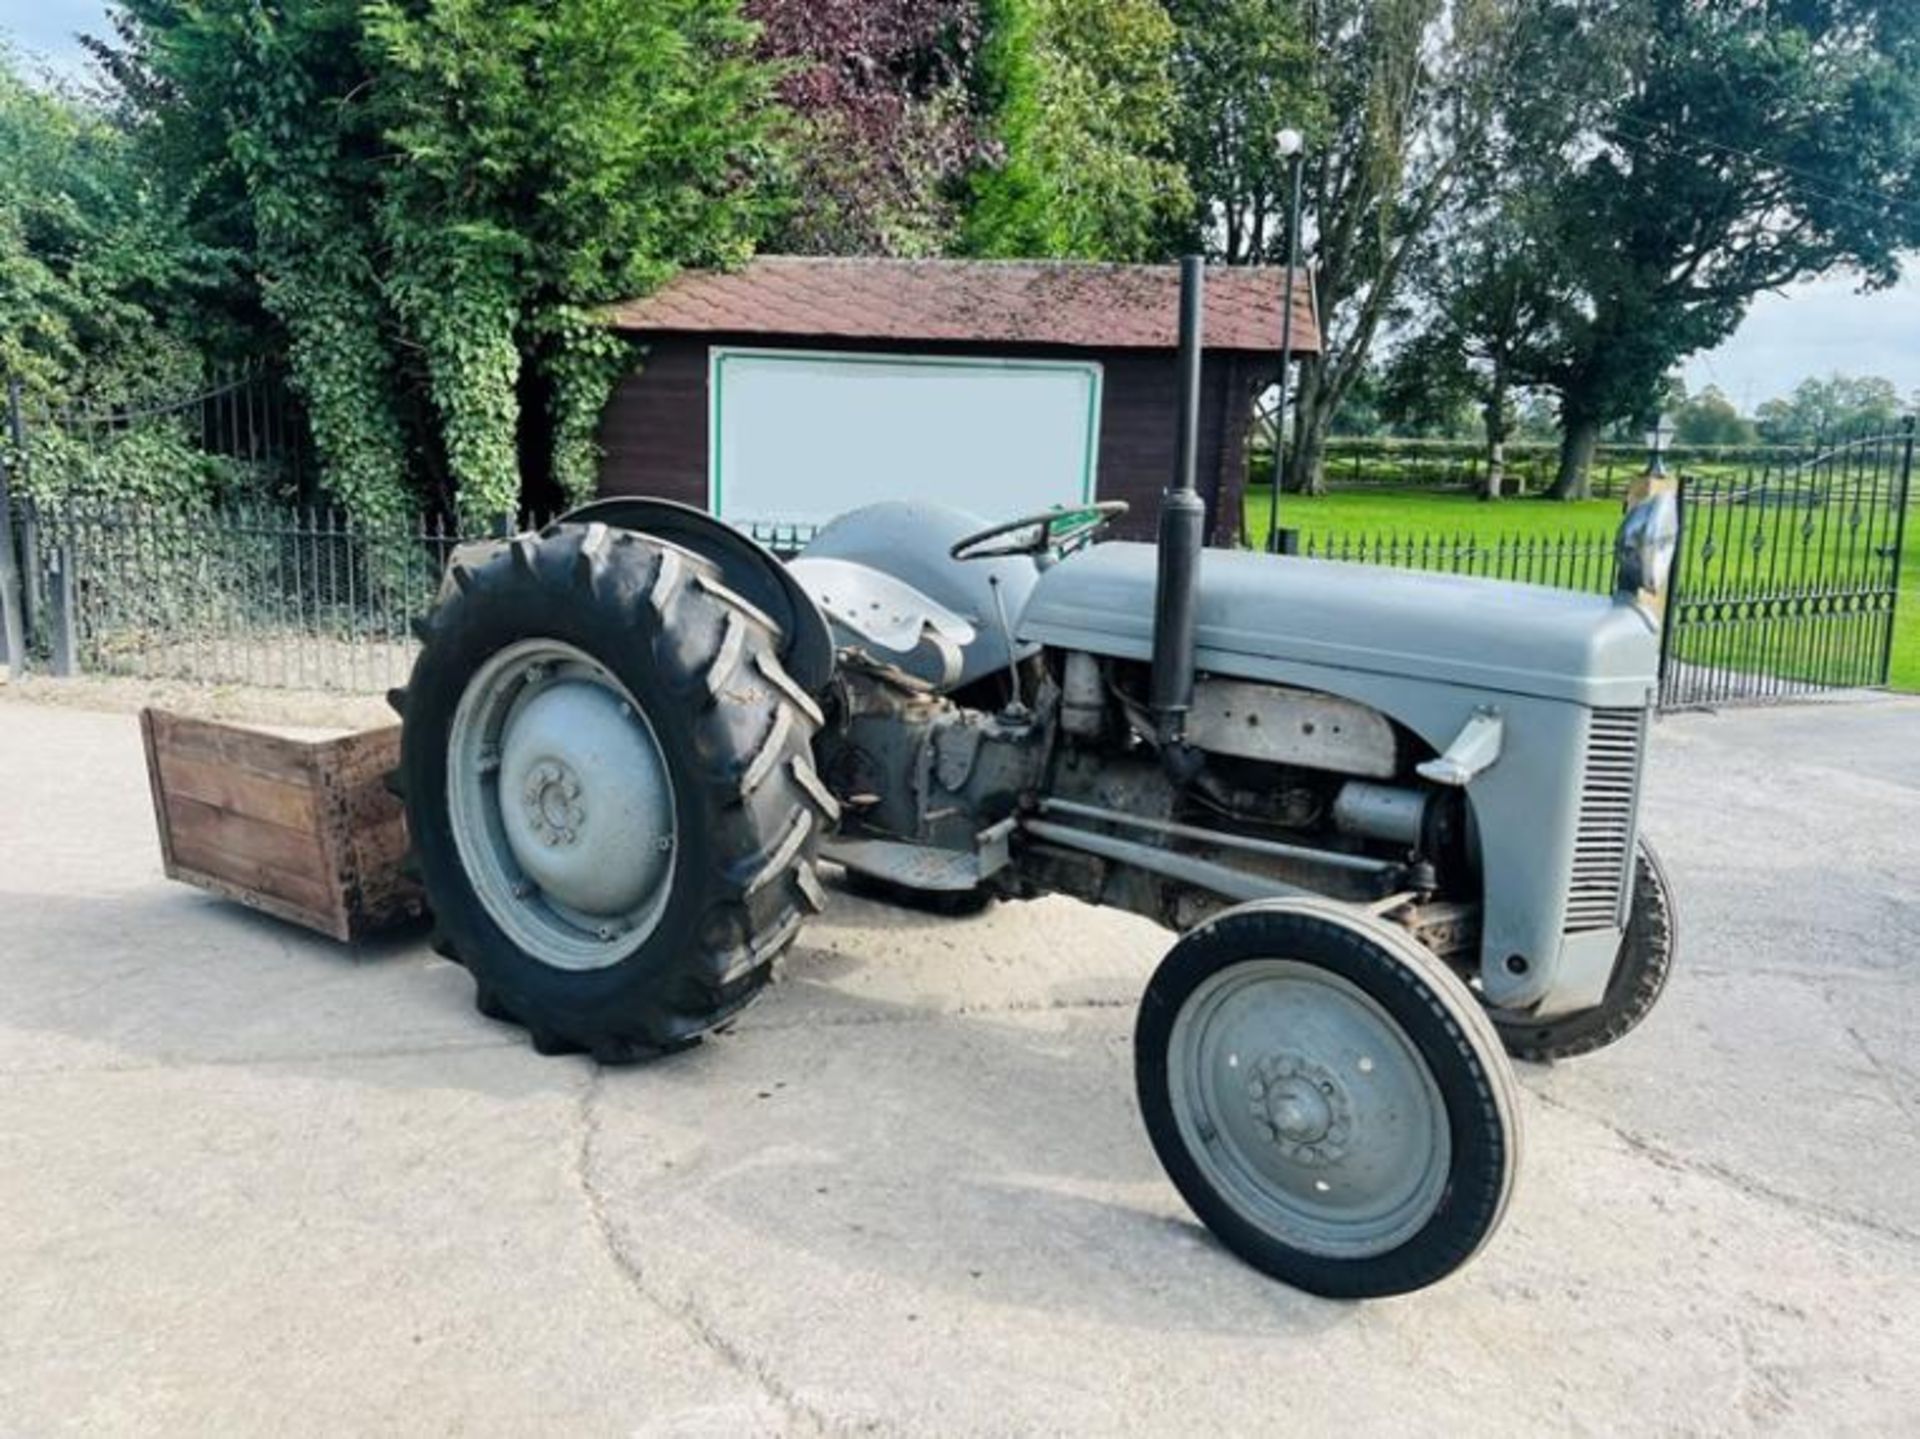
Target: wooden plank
[
  {"x": 380, "y": 845},
  {"x": 366, "y": 826},
  {"x": 304, "y": 892},
  {"x": 276, "y": 801},
  {"x": 332, "y": 926},
  {"x": 382, "y": 894},
  {"x": 369, "y": 754},
  {"x": 229, "y": 746},
  {"x": 151, "y": 722},
  {"x": 245, "y": 839}
]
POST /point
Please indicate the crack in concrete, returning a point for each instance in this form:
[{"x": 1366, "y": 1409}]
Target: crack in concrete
[
  {"x": 176, "y": 1062},
  {"x": 1902, "y": 1101},
  {"x": 866, "y": 1018},
  {"x": 681, "y": 1312},
  {"x": 1670, "y": 1159},
  {"x": 227, "y": 1061}
]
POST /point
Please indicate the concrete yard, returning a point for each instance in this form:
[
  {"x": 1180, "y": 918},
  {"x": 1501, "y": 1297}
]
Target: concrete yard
[{"x": 250, "y": 1182}]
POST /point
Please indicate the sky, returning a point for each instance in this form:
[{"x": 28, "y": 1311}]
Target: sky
[
  {"x": 44, "y": 29},
  {"x": 1817, "y": 328}
]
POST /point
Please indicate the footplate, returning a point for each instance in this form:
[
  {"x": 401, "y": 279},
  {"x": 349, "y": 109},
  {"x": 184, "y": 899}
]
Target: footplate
[{"x": 924, "y": 866}]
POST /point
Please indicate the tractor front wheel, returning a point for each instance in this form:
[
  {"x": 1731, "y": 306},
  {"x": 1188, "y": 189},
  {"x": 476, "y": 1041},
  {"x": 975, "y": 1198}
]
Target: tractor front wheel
[
  {"x": 609, "y": 789},
  {"x": 1328, "y": 1097},
  {"x": 1639, "y": 978}
]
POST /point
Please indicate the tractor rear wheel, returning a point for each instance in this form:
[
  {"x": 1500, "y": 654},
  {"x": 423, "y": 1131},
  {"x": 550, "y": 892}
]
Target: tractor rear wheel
[{"x": 610, "y": 790}]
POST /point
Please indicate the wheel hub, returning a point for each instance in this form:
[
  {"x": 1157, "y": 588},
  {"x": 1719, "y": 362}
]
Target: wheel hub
[
  {"x": 562, "y": 805},
  {"x": 1307, "y": 1107},
  {"x": 1302, "y": 1107},
  {"x": 552, "y": 799},
  {"x": 592, "y": 807}
]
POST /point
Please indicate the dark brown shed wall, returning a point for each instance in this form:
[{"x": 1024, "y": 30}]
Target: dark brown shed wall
[
  {"x": 653, "y": 433},
  {"x": 654, "y": 430}
]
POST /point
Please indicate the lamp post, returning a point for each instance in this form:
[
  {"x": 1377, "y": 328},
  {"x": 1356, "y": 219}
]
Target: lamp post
[
  {"x": 1290, "y": 144},
  {"x": 1659, "y": 435}
]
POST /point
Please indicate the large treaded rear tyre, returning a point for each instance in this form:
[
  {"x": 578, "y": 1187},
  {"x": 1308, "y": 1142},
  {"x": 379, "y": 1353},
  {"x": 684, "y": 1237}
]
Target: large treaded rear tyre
[
  {"x": 1639, "y": 977},
  {"x": 742, "y": 810}
]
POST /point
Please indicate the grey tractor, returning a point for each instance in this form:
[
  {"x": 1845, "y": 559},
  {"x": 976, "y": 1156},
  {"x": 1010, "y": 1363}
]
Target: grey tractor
[{"x": 1393, "y": 818}]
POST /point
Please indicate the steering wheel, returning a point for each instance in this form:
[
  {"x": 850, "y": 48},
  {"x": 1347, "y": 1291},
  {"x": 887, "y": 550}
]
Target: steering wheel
[{"x": 1056, "y": 529}]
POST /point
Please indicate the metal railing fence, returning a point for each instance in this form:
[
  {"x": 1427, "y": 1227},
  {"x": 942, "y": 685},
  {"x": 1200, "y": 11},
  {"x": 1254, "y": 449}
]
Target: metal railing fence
[
  {"x": 1786, "y": 583},
  {"x": 255, "y": 595},
  {"x": 306, "y": 599},
  {"x": 1583, "y": 562}
]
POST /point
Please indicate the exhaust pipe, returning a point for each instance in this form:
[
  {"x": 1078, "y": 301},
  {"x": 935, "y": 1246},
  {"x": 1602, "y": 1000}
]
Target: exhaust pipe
[{"x": 1183, "y": 520}]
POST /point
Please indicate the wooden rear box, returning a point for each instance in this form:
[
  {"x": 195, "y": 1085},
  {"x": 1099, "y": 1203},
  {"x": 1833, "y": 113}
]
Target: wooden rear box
[{"x": 300, "y": 828}]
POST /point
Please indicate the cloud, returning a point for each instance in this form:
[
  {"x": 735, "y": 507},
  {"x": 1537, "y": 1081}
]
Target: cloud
[{"x": 1817, "y": 329}]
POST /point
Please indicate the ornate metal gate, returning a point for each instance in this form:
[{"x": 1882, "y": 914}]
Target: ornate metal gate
[{"x": 1788, "y": 578}]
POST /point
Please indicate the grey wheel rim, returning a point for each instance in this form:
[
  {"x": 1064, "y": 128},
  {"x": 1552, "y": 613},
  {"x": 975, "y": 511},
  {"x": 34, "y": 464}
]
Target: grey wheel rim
[
  {"x": 561, "y": 804},
  {"x": 1308, "y": 1108}
]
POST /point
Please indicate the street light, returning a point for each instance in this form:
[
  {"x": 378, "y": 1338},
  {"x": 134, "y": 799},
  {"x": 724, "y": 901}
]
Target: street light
[
  {"x": 1659, "y": 435},
  {"x": 1289, "y": 143}
]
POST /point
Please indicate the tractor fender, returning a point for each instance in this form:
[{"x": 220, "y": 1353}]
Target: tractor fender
[
  {"x": 912, "y": 540},
  {"x": 748, "y": 568}
]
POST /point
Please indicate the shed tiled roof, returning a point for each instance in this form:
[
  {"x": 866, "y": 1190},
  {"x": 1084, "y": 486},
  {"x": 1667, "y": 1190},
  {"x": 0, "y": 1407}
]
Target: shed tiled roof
[{"x": 1006, "y": 302}]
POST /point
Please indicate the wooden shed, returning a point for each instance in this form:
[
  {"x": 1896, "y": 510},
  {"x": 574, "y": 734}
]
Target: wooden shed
[{"x": 793, "y": 389}]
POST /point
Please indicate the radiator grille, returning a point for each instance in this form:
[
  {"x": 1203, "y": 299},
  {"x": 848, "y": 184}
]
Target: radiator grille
[{"x": 1603, "y": 845}]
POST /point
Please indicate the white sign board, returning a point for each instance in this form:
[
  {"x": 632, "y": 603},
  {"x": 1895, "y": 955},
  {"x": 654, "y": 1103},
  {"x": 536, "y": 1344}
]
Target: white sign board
[{"x": 799, "y": 437}]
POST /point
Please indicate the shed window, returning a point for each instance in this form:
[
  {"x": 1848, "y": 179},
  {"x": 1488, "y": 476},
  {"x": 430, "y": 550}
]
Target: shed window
[{"x": 800, "y": 436}]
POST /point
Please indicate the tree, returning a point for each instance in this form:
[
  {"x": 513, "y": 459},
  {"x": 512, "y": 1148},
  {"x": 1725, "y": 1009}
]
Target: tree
[
  {"x": 1710, "y": 418},
  {"x": 1534, "y": 418},
  {"x": 1427, "y": 387},
  {"x": 1486, "y": 290},
  {"x": 1819, "y": 409},
  {"x": 1718, "y": 151},
  {"x": 263, "y": 109},
  {"x": 1241, "y": 71},
  {"x": 1080, "y": 102},
  {"x": 438, "y": 192},
  {"x": 94, "y": 261},
  {"x": 1407, "y": 90},
  {"x": 553, "y": 155},
  {"x": 99, "y": 281},
  {"x": 1363, "y": 413},
  {"x": 885, "y": 133}
]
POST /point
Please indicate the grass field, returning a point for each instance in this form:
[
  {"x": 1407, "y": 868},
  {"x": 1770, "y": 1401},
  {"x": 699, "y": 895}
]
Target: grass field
[{"x": 1448, "y": 515}]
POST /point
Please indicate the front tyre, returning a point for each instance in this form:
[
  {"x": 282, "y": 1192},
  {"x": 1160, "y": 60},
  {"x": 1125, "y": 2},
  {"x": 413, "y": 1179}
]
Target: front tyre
[
  {"x": 1639, "y": 977},
  {"x": 609, "y": 788},
  {"x": 1327, "y": 1097}
]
